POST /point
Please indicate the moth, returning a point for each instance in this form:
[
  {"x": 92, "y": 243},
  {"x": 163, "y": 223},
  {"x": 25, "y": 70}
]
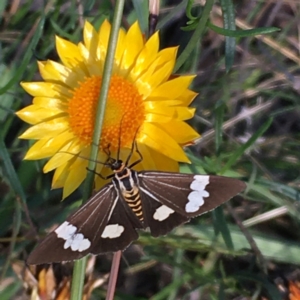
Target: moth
[{"x": 133, "y": 200}]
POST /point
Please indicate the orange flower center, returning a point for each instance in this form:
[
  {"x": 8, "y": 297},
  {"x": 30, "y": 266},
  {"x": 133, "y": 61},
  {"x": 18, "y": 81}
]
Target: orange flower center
[{"x": 124, "y": 113}]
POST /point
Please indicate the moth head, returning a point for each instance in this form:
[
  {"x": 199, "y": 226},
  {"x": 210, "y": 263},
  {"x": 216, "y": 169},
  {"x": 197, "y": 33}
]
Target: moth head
[{"x": 116, "y": 165}]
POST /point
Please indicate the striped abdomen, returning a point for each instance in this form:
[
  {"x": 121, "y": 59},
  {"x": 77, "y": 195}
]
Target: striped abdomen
[{"x": 133, "y": 200}]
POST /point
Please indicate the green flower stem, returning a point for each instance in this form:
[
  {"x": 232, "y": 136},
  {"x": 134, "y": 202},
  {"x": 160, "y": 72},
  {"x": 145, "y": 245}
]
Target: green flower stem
[{"x": 80, "y": 265}]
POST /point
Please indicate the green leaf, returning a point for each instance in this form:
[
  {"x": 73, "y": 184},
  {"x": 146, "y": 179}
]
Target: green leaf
[
  {"x": 222, "y": 227},
  {"x": 141, "y": 10},
  {"x": 229, "y": 23},
  {"x": 280, "y": 250},
  {"x": 242, "y": 33}
]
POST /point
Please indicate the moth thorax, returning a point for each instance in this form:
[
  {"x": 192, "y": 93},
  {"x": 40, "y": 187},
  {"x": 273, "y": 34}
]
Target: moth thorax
[
  {"x": 125, "y": 180},
  {"x": 133, "y": 200}
]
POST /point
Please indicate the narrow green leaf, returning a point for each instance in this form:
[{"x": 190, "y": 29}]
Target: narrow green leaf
[
  {"x": 188, "y": 10},
  {"x": 229, "y": 23},
  {"x": 242, "y": 33},
  {"x": 141, "y": 9},
  {"x": 280, "y": 250},
  {"x": 221, "y": 226},
  {"x": 240, "y": 151}
]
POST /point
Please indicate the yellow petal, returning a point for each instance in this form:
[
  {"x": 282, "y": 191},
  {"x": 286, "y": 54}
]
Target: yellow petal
[
  {"x": 104, "y": 33},
  {"x": 133, "y": 44},
  {"x": 157, "y": 118},
  {"x": 153, "y": 160},
  {"x": 160, "y": 141},
  {"x": 46, "y": 89},
  {"x": 76, "y": 175},
  {"x": 68, "y": 52},
  {"x": 120, "y": 47},
  {"x": 146, "y": 56},
  {"x": 66, "y": 153},
  {"x": 142, "y": 82},
  {"x": 155, "y": 112},
  {"x": 92, "y": 65},
  {"x": 181, "y": 132},
  {"x": 184, "y": 113},
  {"x": 187, "y": 97},
  {"x": 55, "y": 72},
  {"x": 159, "y": 107},
  {"x": 41, "y": 149},
  {"x": 50, "y": 103},
  {"x": 60, "y": 175},
  {"x": 150, "y": 80},
  {"x": 46, "y": 129},
  {"x": 38, "y": 150},
  {"x": 34, "y": 114},
  {"x": 48, "y": 147},
  {"x": 90, "y": 37},
  {"x": 166, "y": 55},
  {"x": 173, "y": 88},
  {"x": 162, "y": 102}
]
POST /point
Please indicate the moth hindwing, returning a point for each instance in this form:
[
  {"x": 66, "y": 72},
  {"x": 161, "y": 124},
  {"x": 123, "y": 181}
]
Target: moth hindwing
[{"x": 133, "y": 200}]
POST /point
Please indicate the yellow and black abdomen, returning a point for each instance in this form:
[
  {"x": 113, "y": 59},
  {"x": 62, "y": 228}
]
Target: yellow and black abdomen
[{"x": 133, "y": 200}]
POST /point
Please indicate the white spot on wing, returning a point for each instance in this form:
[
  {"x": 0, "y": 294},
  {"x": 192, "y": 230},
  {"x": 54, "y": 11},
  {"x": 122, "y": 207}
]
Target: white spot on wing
[
  {"x": 162, "y": 213},
  {"x": 112, "y": 231},
  {"x": 200, "y": 182},
  {"x": 65, "y": 230},
  {"x": 195, "y": 198},
  {"x": 76, "y": 241}
]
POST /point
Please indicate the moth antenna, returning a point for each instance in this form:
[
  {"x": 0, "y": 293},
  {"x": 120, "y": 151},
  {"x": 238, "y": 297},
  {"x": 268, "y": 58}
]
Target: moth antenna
[{"x": 83, "y": 157}]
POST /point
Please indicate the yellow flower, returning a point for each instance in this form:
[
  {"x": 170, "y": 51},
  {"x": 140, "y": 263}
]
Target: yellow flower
[{"x": 142, "y": 100}]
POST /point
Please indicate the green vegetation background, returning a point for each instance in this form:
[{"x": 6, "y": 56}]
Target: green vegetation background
[{"x": 247, "y": 112}]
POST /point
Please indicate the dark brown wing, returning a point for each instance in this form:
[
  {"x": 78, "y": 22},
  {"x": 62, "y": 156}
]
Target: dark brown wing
[
  {"x": 119, "y": 232},
  {"x": 155, "y": 221},
  {"x": 188, "y": 194},
  {"x": 89, "y": 221}
]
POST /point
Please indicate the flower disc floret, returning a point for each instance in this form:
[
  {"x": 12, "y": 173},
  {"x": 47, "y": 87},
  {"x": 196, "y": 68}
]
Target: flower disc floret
[{"x": 124, "y": 114}]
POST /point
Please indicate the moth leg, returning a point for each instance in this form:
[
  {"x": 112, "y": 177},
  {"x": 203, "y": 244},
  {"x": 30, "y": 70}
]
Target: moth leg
[
  {"x": 100, "y": 175},
  {"x": 139, "y": 153}
]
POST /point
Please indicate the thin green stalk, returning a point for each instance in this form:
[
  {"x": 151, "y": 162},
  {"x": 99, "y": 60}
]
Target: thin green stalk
[{"x": 79, "y": 266}]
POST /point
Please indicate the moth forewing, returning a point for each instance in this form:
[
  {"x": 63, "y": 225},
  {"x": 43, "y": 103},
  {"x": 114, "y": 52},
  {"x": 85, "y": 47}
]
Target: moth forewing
[
  {"x": 75, "y": 237},
  {"x": 189, "y": 194},
  {"x": 221, "y": 189}
]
